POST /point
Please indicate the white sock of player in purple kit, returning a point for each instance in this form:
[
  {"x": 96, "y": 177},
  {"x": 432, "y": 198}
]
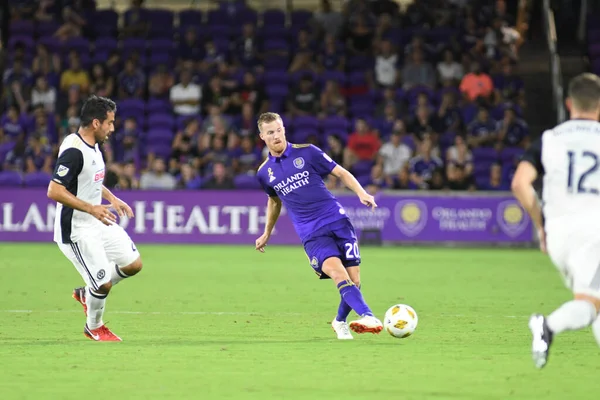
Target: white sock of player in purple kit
[
  {"x": 95, "y": 308},
  {"x": 571, "y": 316},
  {"x": 117, "y": 275}
]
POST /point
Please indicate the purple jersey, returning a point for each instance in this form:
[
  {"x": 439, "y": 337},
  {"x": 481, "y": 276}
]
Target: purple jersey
[{"x": 297, "y": 179}]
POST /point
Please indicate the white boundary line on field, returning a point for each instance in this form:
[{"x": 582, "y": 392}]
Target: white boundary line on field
[{"x": 252, "y": 313}]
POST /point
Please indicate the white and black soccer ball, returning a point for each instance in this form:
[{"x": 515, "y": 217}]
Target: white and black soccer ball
[{"x": 400, "y": 321}]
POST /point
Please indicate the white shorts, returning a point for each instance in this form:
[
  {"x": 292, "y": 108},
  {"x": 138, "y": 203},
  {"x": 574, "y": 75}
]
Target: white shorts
[
  {"x": 97, "y": 255},
  {"x": 574, "y": 248}
]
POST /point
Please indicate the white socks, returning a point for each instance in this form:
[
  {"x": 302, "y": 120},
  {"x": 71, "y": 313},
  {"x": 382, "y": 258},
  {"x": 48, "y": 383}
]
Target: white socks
[
  {"x": 117, "y": 275},
  {"x": 573, "y": 315},
  {"x": 95, "y": 308}
]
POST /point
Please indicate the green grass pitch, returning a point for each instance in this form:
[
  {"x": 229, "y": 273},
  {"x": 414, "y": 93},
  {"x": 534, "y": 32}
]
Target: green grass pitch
[{"x": 230, "y": 323}]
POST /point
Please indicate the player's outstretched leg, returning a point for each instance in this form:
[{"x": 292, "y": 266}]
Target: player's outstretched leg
[
  {"x": 339, "y": 324},
  {"x": 94, "y": 327},
  {"x": 367, "y": 323},
  {"x": 573, "y": 315}
]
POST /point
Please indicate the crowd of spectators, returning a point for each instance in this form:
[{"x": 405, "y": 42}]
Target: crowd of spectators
[{"x": 426, "y": 97}]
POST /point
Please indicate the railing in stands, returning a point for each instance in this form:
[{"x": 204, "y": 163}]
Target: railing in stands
[{"x": 555, "y": 68}]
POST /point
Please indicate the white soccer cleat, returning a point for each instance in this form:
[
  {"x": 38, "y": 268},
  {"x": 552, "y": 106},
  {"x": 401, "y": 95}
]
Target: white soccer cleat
[
  {"x": 542, "y": 340},
  {"x": 366, "y": 324},
  {"x": 341, "y": 329}
]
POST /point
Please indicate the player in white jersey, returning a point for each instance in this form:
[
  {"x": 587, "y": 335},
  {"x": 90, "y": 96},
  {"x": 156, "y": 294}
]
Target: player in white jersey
[
  {"x": 84, "y": 229},
  {"x": 568, "y": 159}
]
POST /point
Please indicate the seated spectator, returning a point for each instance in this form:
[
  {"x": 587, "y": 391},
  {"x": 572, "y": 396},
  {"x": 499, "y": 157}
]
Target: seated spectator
[
  {"x": 418, "y": 73},
  {"x": 459, "y": 165},
  {"x": 44, "y": 61},
  {"x": 332, "y": 101},
  {"x": 386, "y": 66},
  {"x": 38, "y": 156},
  {"x": 247, "y": 54},
  {"x": 331, "y": 58},
  {"x": 136, "y": 21},
  {"x": 422, "y": 123},
  {"x": 160, "y": 83},
  {"x": 127, "y": 149},
  {"x": 304, "y": 99},
  {"x": 185, "y": 142},
  {"x": 12, "y": 127},
  {"x": 102, "y": 82},
  {"x": 476, "y": 84},
  {"x": 423, "y": 165},
  {"x": 377, "y": 180},
  {"x": 43, "y": 95},
  {"x": 187, "y": 176},
  {"x": 219, "y": 179},
  {"x": 402, "y": 180},
  {"x": 157, "y": 178},
  {"x": 247, "y": 158},
  {"x": 246, "y": 123},
  {"x": 512, "y": 131},
  {"x": 132, "y": 82},
  {"x": 217, "y": 152},
  {"x": 450, "y": 71},
  {"x": 335, "y": 148},
  {"x": 495, "y": 182},
  {"x": 389, "y": 98},
  {"x": 212, "y": 57},
  {"x": 482, "y": 131},
  {"x": 17, "y": 85},
  {"x": 190, "y": 48},
  {"x": 73, "y": 21},
  {"x": 216, "y": 95},
  {"x": 328, "y": 21},
  {"x": 508, "y": 86},
  {"x": 393, "y": 156},
  {"x": 186, "y": 96},
  {"x": 75, "y": 75},
  {"x": 15, "y": 158},
  {"x": 363, "y": 145},
  {"x": 254, "y": 94},
  {"x": 360, "y": 37},
  {"x": 449, "y": 117}
]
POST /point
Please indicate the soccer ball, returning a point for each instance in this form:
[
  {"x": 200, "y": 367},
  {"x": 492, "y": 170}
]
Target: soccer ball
[{"x": 400, "y": 321}]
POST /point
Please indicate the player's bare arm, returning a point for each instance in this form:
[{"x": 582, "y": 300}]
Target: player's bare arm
[
  {"x": 119, "y": 205},
  {"x": 522, "y": 188},
  {"x": 60, "y": 194},
  {"x": 273, "y": 212},
  {"x": 351, "y": 183}
]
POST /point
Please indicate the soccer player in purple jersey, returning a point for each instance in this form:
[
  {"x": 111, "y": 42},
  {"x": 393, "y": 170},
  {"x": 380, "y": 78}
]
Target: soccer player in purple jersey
[{"x": 293, "y": 175}]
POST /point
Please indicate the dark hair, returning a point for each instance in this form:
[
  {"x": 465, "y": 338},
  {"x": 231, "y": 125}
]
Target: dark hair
[
  {"x": 584, "y": 91},
  {"x": 96, "y": 107}
]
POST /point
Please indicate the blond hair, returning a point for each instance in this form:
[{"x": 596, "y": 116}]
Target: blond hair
[{"x": 268, "y": 117}]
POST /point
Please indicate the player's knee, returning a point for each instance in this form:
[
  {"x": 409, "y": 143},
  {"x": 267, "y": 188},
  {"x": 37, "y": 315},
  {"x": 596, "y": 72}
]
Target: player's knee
[
  {"x": 133, "y": 268},
  {"x": 590, "y": 299},
  {"x": 104, "y": 289}
]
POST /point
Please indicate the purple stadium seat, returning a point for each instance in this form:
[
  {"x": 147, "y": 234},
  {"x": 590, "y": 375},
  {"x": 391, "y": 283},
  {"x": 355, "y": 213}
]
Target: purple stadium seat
[
  {"x": 105, "y": 44},
  {"x": 594, "y": 50},
  {"x": 362, "y": 167},
  {"x": 305, "y": 123},
  {"x": 158, "y": 106},
  {"x": 246, "y": 182},
  {"x": 79, "y": 44},
  {"x": 52, "y": 43},
  {"x": 276, "y": 44},
  {"x": 510, "y": 155},
  {"x": 161, "y": 21},
  {"x": 161, "y": 45},
  {"x": 246, "y": 16},
  {"x": 160, "y": 121},
  {"x": 37, "y": 179},
  {"x": 276, "y": 78},
  {"x": 161, "y": 58},
  {"x": 221, "y": 32},
  {"x": 301, "y": 18},
  {"x": 482, "y": 169},
  {"x": 335, "y": 123},
  {"x": 302, "y": 135},
  {"x": 468, "y": 113},
  {"x": 160, "y": 150},
  {"x": 21, "y": 28},
  {"x": 364, "y": 179},
  {"x": 46, "y": 28},
  {"x": 276, "y": 62},
  {"x": 26, "y": 41},
  {"x": 217, "y": 17},
  {"x": 190, "y": 18},
  {"x": 105, "y": 23},
  {"x": 336, "y": 76},
  {"x": 131, "y": 105},
  {"x": 277, "y": 91},
  {"x": 195, "y": 183},
  {"x": 159, "y": 137},
  {"x": 273, "y": 17},
  {"x": 131, "y": 45},
  {"x": 10, "y": 179},
  {"x": 485, "y": 154}
]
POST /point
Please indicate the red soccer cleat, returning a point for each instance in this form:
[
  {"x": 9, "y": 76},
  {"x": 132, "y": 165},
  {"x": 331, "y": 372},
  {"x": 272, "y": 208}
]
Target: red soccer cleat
[
  {"x": 102, "y": 334},
  {"x": 79, "y": 295}
]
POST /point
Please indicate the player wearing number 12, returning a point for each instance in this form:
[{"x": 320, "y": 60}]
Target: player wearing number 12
[
  {"x": 292, "y": 175},
  {"x": 568, "y": 158}
]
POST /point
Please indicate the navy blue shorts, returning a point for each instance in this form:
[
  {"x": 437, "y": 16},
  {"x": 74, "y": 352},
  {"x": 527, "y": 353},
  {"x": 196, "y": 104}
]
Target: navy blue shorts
[{"x": 337, "y": 239}]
